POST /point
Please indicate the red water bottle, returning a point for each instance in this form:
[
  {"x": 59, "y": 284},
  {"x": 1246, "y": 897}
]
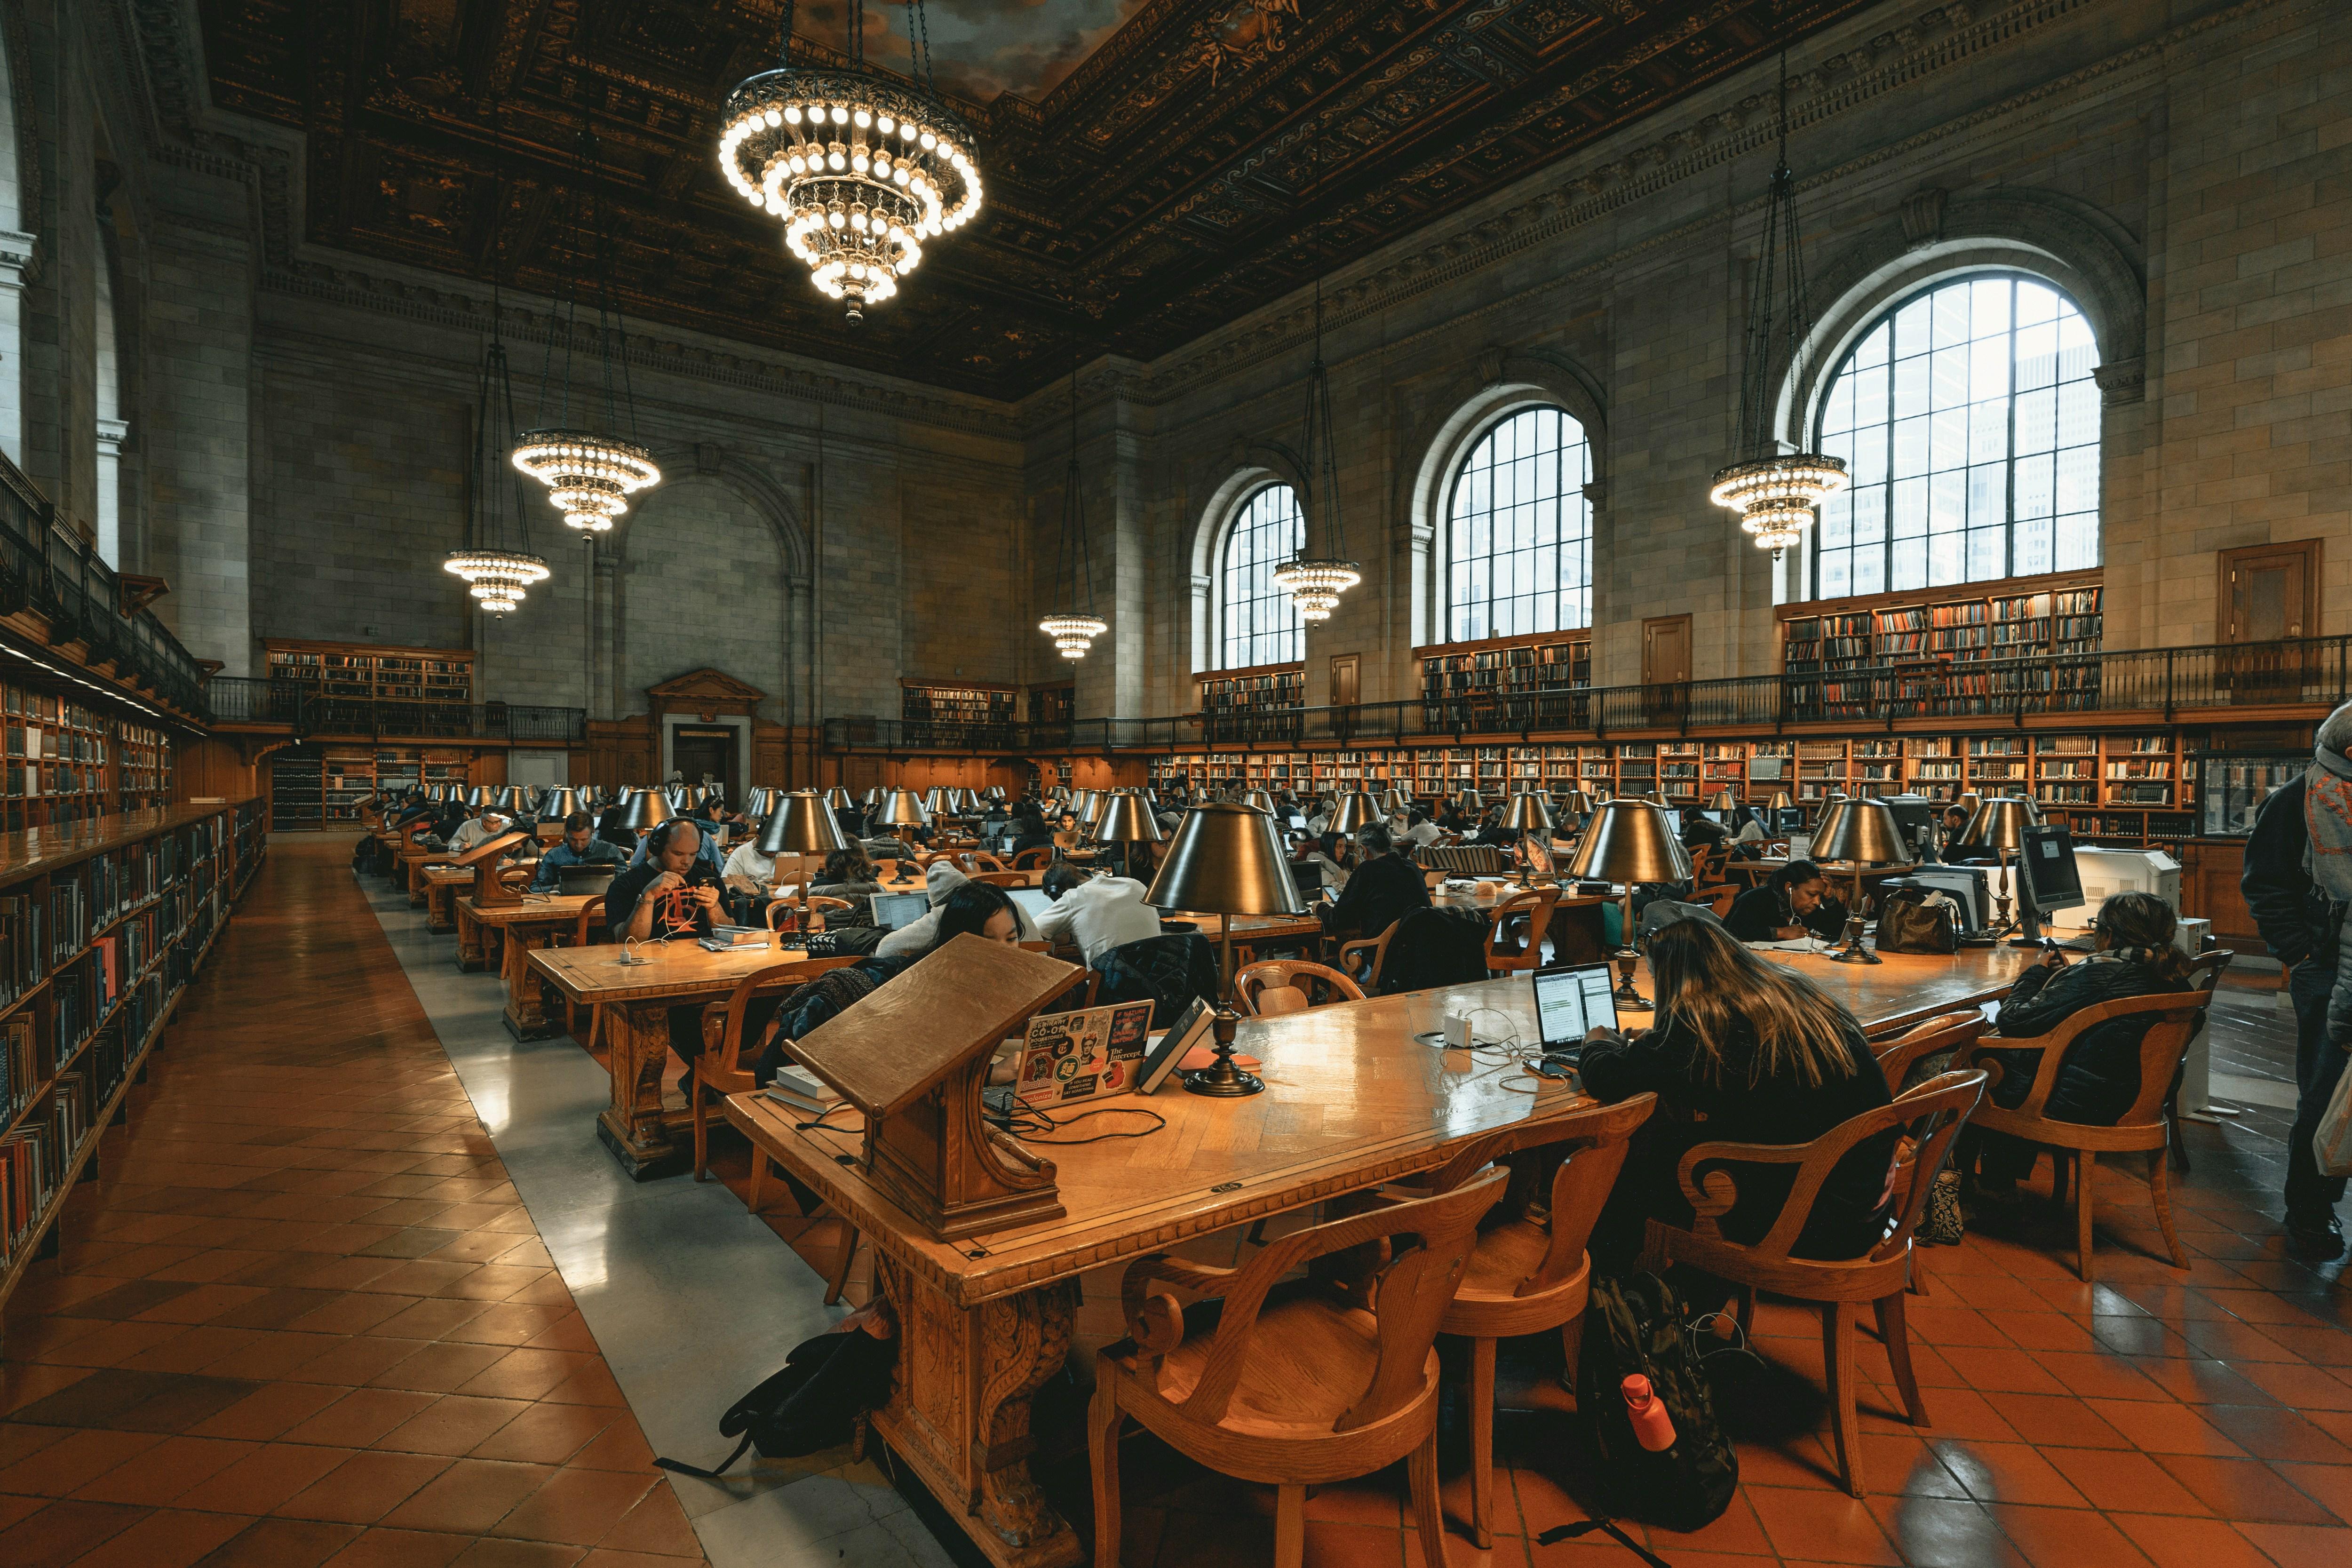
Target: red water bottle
[{"x": 1653, "y": 1428}]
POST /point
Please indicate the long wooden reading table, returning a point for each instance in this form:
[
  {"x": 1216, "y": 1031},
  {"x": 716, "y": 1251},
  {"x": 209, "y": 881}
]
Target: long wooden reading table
[
  {"x": 1352, "y": 1099},
  {"x": 505, "y": 935}
]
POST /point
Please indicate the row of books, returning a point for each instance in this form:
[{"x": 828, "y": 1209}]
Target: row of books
[
  {"x": 31, "y": 1164},
  {"x": 20, "y": 1071}
]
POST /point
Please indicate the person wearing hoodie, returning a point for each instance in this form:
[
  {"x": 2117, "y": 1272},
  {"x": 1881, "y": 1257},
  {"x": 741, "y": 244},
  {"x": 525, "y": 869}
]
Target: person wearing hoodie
[{"x": 917, "y": 935}]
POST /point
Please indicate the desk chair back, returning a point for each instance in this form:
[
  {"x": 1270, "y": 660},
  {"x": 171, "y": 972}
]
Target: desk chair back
[
  {"x": 1717, "y": 898},
  {"x": 1001, "y": 879},
  {"x": 1035, "y": 859},
  {"x": 2141, "y": 1129},
  {"x": 1360, "y": 961},
  {"x": 1946, "y": 1035},
  {"x": 1933, "y": 1115},
  {"x": 1280, "y": 985},
  {"x": 818, "y": 904},
  {"x": 720, "y": 1070},
  {"x": 1515, "y": 930},
  {"x": 974, "y": 860}
]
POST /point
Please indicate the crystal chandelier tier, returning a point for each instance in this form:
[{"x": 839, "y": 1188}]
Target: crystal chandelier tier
[
  {"x": 1075, "y": 625},
  {"x": 1776, "y": 493},
  {"x": 861, "y": 170},
  {"x": 1316, "y": 582},
  {"x": 589, "y": 471},
  {"x": 497, "y": 576}
]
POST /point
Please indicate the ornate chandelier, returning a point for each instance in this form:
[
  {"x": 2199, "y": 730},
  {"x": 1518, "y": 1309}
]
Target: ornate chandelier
[
  {"x": 497, "y": 576},
  {"x": 1073, "y": 629},
  {"x": 589, "y": 474},
  {"x": 1776, "y": 493},
  {"x": 861, "y": 172},
  {"x": 1316, "y": 582}
]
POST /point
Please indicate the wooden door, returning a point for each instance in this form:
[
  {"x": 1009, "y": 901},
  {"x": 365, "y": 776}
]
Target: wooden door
[
  {"x": 1665, "y": 667},
  {"x": 1345, "y": 694},
  {"x": 2269, "y": 600}
]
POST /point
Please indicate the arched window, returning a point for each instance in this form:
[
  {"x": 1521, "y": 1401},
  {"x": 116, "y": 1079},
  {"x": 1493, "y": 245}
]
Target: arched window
[
  {"x": 1518, "y": 552},
  {"x": 1968, "y": 420},
  {"x": 1258, "y": 623}
]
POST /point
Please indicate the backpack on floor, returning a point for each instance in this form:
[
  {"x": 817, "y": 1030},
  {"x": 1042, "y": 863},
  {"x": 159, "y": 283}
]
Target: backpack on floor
[
  {"x": 826, "y": 1384},
  {"x": 1634, "y": 1323}
]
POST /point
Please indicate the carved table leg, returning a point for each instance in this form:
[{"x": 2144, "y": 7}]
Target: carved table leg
[
  {"x": 469, "y": 941},
  {"x": 526, "y": 1012},
  {"x": 634, "y": 1126},
  {"x": 959, "y": 1410},
  {"x": 439, "y": 900}
]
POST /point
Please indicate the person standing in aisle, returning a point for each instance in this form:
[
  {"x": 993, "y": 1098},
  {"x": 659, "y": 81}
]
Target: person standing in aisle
[{"x": 2298, "y": 883}]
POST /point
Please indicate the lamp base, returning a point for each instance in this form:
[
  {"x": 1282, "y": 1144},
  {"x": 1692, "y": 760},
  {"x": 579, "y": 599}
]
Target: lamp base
[
  {"x": 1221, "y": 1079},
  {"x": 1854, "y": 952},
  {"x": 1625, "y": 995}
]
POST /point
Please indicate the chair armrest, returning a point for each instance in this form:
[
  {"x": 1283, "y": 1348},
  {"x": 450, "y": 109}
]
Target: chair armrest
[
  {"x": 2053, "y": 1044},
  {"x": 1154, "y": 1320}
]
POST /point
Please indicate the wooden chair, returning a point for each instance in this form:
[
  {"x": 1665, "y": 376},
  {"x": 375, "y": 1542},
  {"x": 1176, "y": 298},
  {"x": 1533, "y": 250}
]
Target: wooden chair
[
  {"x": 1706, "y": 864},
  {"x": 1934, "y": 1113},
  {"x": 591, "y": 922},
  {"x": 1717, "y": 898},
  {"x": 1035, "y": 858},
  {"x": 2204, "y": 974},
  {"x": 1371, "y": 954},
  {"x": 1001, "y": 879},
  {"x": 2141, "y": 1129},
  {"x": 1898, "y": 1052},
  {"x": 818, "y": 904},
  {"x": 1333, "y": 1379},
  {"x": 720, "y": 1070},
  {"x": 1280, "y": 985},
  {"x": 980, "y": 860},
  {"x": 1529, "y": 1273},
  {"x": 1514, "y": 931}
]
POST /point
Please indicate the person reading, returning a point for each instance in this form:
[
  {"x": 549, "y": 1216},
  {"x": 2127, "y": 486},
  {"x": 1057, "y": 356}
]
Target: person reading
[
  {"x": 1381, "y": 889},
  {"x": 1795, "y": 900},
  {"x": 578, "y": 846},
  {"x": 480, "y": 831}
]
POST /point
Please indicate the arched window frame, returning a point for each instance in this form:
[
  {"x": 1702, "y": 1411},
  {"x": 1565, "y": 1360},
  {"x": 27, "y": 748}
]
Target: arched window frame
[
  {"x": 1574, "y": 496},
  {"x": 1988, "y": 462},
  {"x": 1223, "y": 604}
]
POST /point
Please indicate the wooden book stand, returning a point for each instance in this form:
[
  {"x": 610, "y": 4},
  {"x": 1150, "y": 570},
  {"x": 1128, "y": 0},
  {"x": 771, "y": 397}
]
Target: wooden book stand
[
  {"x": 483, "y": 860},
  {"x": 913, "y": 1057}
]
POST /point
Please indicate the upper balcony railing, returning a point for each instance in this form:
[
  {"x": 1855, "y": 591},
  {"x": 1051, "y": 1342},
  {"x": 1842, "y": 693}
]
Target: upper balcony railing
[
  {"x": 237, "y": 701},
  {"x": 2310, "y": 672},
  {"x": 57, "y": 575}
]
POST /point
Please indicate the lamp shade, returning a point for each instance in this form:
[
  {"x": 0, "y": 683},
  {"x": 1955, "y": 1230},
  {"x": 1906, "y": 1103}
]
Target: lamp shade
[
  {"x": 800, "y": 823},
  {"x": 1354, "y": 811},
  {"x": 872, "y": 797},
  {"x": 477, "y": 798},
  {"x": 1394, "y": 803},
  {"x": 559, "y": 802},
  {"x": 1470, "y": 803},
  {"x": 1724, "y": 800},
  {"x": 1226, "y": 860},
  {"x": 511, "y": 799},
  {"x": 837, "y": 797},
  {"x": 1860, "y": 833},
  {"x": 646, "y": 808},
  {"x": 1258, "y": 800},
  {"x": 758, "y": 801},
  {"x": 1629, "y": 841},
  {"x": 1127, "y": 819},
  {"x": 2000, "y": 823},
  {"x": 712, "y": 796},
  {"x": 902, "y": 808},
  {"x": 1577, "y": 802},
  {"x": 1528, "y": 812},
  {"x": 1780, "y": 801},
  {"x": 677, "y": 797}
]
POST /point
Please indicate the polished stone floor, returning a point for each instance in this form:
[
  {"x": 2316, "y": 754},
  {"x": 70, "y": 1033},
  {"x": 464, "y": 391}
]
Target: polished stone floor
[{"x": 311, "y": 1213}]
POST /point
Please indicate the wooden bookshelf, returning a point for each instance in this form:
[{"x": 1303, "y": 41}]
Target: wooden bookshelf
[
  {"x": 321, "y": 784},
  {"x": 1053, "y": 704},
  {"x": 360, "y": 671},
  {"x": 102, "y": 924},
  {"x": 927, "y": 702},
  {"x": 1262, "y": 688},
  {"x": 64, "y": 763},
  {"x": 1506, "y": 675},
  {"x": 1921, "y": 643}
]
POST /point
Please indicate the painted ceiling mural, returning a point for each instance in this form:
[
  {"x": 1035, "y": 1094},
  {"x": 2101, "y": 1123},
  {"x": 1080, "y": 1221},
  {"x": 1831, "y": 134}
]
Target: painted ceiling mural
[{"x": 1160, "y": 167}]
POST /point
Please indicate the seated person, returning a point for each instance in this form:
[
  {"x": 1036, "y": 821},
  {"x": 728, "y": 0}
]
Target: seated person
[
  {"x": 1383, "y": 886},
  {"x": 1795, "y": 900},
  {"x": 1334, "y": 853},
  {"x": 614, "y": 828},
  {"x": 480, "y": 831},
  {"x": 1420, "y": 831},
  {"x": 1067, "y": 834},
  {"x": 706, "y": 846},
  {"x": 1745, "y": 1051},
  {"x": 410, "y": 813},
  {"x": 1029, "y": 829},
  {"x": 674, "y": 893},
  {"x": 454, "y": 816},
  {"x": 974, "y": 909},
  {"x": 1701, "y": 831},
  {"x": 578, "y": 846},
  {"x": 847, "y": 874},
  {"x": 1747, "y": 838},
  {"x": 747, "y": 871},
  {"x": 1095, "y": 913},
  {"x": 1492, "y": 833},
  {"x": 2099, "y": 1078},
  {"x": 1954, "y": 824},
  {"x": 940, "y": 883}
]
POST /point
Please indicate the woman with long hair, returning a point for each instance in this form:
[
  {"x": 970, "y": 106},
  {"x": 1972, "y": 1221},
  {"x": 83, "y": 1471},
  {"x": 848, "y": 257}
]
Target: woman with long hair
[
  {"x": 2132, "y": 955},
  {"x": 1743, "y": 1050}
]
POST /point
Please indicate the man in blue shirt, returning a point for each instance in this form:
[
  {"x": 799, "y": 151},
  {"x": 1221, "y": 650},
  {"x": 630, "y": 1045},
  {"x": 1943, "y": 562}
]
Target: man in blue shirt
[{"x": 580, "y": 847}]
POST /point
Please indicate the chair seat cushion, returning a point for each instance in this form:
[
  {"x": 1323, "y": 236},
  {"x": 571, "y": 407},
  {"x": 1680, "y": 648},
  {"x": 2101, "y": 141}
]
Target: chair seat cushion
[{"x": 1310, "y": 1361}]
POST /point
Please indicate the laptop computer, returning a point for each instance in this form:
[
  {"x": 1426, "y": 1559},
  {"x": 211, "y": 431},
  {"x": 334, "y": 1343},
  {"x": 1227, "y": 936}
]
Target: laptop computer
[
  {"x": 893, "y": 910},
  {"x": 1569, "y": 1002},
  {"x": 577, "y": 879}
]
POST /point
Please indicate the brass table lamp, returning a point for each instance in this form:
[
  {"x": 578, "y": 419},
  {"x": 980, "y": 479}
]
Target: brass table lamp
[
  {"x": 559, "y": 803},
  {"x": 1629, "y": 842},
  {"x": 1999, "y": 824},
  {"x": 1259, "y": 800},
  {"x": 1127, "y": 819},
  {"x": 800, "y": 823},
  {"x": 1528, "y": 813},
  {"x": 1354, "y": 811},
  {"x": 1860, "y": 833},
  {"x": 902, "y": 810},
  {"x": 1226, "y": 860},
  {"x": 647, "y": 809}
]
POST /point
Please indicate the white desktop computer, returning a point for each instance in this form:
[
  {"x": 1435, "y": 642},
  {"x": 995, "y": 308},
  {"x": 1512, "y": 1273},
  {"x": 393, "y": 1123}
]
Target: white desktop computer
[{"x": 2106, "y": 872}]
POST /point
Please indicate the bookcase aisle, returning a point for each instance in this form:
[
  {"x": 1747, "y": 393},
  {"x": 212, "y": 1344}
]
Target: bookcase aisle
[{"x": 102, "y": 924}]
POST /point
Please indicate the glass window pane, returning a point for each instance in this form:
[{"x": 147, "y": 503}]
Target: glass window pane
[
  {"x": 1521, "y": 540},
  {"x": 1259, "y": 623}
]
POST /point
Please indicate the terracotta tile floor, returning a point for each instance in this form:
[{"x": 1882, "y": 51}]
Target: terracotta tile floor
[{"x": 301, "y": 1318}]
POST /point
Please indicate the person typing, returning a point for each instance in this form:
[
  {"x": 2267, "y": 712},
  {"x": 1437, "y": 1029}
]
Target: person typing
[{"x": 579, "y": 846}]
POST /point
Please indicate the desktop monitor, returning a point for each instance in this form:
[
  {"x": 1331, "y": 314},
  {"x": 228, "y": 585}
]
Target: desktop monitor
[
  {"x": 1967, "y": 887},
  {"x": 1915, "y": 814},
  {"x": 2046, "y": 870},
  {"x": 894, "y": 910},
  {"x": 1034, "y": 901},
  {"x": 1791, "y": 819}
]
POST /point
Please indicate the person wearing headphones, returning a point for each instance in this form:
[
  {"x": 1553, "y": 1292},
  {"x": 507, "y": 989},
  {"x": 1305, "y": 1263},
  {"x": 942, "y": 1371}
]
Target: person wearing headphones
[{"x": 1794, "y": 901}]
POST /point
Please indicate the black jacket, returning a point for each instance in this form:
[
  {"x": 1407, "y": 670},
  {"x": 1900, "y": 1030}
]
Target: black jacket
[
  {"x": 2099, "y": 1078},
  {"x": 1758, "y": 915},
  {"x": 2296, "y": 919},
  {"x": 1379, "y": 892},
  {"x": 1695, "y": 1107},
  {"x": 621, "y": 894}
]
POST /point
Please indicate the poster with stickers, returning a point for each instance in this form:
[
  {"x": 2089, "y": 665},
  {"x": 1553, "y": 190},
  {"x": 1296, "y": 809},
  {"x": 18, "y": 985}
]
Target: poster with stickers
[{"x": 1092, "y": 1054}]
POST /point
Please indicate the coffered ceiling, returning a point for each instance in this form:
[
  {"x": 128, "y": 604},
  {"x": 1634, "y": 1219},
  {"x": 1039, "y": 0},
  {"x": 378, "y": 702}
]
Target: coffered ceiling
[{"x": 1181, "y": 162}]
